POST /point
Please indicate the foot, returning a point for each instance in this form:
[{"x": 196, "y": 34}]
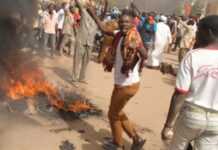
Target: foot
[
  {"x": 75, "y": 83},
  {"x": 138, "y": 145},
  {"x": 83, "y": 81},
  {"x": 109, "y": 145}
]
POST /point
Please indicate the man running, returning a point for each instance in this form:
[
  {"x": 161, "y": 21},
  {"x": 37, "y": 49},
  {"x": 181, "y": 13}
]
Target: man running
[{"x": 127, "y": 57}]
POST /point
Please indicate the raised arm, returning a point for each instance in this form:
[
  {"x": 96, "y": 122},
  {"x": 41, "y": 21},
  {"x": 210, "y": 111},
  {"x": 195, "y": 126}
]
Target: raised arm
[
  {"x": 135, "y": 8},
  {"x": 79, "y": 6},
  {"x": 99, "y": 22},
  {"x": 105, "y": 9}
]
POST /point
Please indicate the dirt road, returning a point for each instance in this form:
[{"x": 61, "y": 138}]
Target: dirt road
[{"x": 147, "y": 109}]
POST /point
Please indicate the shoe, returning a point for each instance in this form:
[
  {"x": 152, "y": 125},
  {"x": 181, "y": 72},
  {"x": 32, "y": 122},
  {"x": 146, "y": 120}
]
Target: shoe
[
  {"x": 138, "y": 145},
  {"x": 109, "y": 145},
  {"x": 75, "y": 83}
]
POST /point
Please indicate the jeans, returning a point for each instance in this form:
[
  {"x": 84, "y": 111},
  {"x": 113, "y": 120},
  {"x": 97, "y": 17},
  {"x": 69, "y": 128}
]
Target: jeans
[
  {"x": 52, "y": 39},
  {"x": 118, "y": 119},
  {"x": 196, "y": 124}
]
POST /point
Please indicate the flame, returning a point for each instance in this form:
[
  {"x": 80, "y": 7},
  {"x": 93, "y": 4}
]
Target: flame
[{"x": 32, "y": 82}]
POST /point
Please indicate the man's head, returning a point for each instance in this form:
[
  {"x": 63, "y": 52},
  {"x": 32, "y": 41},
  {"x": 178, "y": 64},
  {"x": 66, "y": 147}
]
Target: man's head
[
  {"x": 72, "y": 9},
  {"x": 144, "y": 14},
  {"x": 126, "y": 21},
  {"x": 207, "y": 31},
  {"x": 51, "y": 8},
  {"x": 191, "y": 22}
]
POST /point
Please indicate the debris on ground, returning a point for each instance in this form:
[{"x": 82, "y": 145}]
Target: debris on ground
[{"x": 66, "y": 145}]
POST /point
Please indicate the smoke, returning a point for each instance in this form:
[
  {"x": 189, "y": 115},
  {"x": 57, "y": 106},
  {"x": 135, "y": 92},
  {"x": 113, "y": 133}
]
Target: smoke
[
  {"x": 16, "y": 16},
  {"x": 16, "y": 19}
]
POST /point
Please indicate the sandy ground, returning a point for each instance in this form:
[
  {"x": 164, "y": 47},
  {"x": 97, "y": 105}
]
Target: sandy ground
[{"x": 147, "y": 110}]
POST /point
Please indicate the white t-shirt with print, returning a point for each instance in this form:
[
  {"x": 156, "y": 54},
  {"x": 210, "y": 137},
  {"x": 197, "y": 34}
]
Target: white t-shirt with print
[
  {"x": 122, "y": 79},
  {"x": 198, "y": 77}
]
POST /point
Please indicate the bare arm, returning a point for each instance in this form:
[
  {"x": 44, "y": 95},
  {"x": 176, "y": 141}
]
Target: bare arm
[
  {"x": 79, "y": 5},
  {"x": 176, "y": 104},
  {"x": 143, "y": 53},
  {"x": 99, "y": 22},
  {"x": 105, "y": 9},
  {"x": 184, "y": 25},
  {"x": 135, "y": 8}
]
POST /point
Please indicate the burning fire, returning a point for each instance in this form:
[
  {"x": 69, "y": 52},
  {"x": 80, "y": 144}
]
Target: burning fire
[{"x": 31, "y": 83}]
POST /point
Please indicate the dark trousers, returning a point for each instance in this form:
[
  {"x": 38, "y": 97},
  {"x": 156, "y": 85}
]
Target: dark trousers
[{"x": 49, "y": 39}]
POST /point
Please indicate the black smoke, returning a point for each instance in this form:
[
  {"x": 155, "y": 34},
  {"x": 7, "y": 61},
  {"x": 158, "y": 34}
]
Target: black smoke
[
  {"x": 16, "y": 17},
  {"x": 16, "y": 20}
]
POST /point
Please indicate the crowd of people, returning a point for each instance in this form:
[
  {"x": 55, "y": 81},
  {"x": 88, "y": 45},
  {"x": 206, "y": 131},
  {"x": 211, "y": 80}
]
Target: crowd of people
[{"x": 130, "y": 41}]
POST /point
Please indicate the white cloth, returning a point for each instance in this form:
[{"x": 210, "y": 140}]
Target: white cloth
[
  {"x": 198, "y": 77},
  {"x": 38, "y": 19},
  {"x": 188, "y": 34},
  {"x": 49, "y": 23},
  {"x": 200, "y": 128},
  {"x": 61, "y": 16},
  {"x": 163, "y": 38},
  {"x": 121, "y": 79}
]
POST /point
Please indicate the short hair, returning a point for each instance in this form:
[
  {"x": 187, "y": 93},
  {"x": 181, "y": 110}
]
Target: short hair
[
  {"x": 144, "y": 14},
  {"x": 208, "y": 30},
  {"x": 127, "y": 12}
]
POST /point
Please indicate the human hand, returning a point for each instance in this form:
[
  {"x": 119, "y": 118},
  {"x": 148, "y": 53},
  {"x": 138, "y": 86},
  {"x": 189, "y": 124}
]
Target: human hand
[{"x": 167, "y": 133}]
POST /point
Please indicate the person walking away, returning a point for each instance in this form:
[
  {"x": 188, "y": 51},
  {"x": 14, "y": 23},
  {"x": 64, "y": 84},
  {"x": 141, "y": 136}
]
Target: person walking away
[
  {"x": 49, "y": 24},
  {"x": 68, "y": 32},
  {"x": 193, "y": 113},
  {"x": 127, "y": 57},
  {"x": 147, "y": 31},
  {"x": 163, "y": 38},
  {"x": 84, "y": 44}
]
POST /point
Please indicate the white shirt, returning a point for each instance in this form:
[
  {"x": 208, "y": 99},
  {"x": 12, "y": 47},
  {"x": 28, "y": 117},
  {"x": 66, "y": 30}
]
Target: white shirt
[
  {"x": 61, "y": 16},
  {"x": 198, "y": 77},
  {"x": 121, "y": 79},
  {"x": 49, "y": 23},
  {"x": 163, "y": 35}
]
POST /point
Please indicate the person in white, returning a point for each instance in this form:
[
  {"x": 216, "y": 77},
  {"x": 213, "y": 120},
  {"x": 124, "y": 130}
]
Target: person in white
[
  {"x": 60, "y": 21},
  {"x": 49, "y": 24},
  {"x": 195, "y": 100},
  {"x": 163, "y": 38},
  {"x": 188, "y": 37}
]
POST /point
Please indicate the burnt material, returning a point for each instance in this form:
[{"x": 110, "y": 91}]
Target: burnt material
[
  {"x": 93, "y": 111},
  {"x": 66, "y": 145}
]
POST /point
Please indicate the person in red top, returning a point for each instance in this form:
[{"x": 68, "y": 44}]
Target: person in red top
[
  {"x": 136, "y": 20},
  {"x": 77, "y": 17}
]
